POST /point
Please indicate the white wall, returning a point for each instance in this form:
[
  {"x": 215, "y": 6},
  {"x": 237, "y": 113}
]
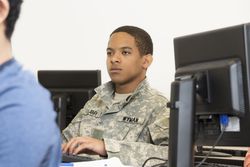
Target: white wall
[{"x": 73, "y": 34}]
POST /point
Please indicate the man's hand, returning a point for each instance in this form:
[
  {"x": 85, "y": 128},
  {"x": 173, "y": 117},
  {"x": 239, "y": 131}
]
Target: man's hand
[{"x": 86, "y": 145}]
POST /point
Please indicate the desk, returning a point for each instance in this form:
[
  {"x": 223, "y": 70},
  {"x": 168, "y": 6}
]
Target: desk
[
  {"x": 111, "y": 162},
  {"x": 237, "y": 158},
  {"x": 234, "y": 160}
]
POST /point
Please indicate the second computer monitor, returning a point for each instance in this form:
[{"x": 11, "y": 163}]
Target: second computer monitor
[
  {"x": 210, "y": 96},
  {"x": 219, "y": 61},
  {"x": 70, "y": 90}
]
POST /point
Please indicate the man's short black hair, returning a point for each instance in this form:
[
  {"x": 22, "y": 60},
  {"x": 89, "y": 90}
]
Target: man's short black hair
[
  {"x": 15, "y": 7},
  {"x": 142, "y": 38}
]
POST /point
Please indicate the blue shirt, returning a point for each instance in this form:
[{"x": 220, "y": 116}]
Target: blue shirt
[{"x": 29, "y": 136}]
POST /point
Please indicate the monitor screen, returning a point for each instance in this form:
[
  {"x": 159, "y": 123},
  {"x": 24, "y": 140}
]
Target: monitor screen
[
  {"x": 70, "y": 90},
  {"x": 212, "y": 82},
  {"x": 219, "y": 60}
]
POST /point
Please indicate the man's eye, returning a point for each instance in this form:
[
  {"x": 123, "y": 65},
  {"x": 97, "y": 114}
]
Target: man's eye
[
  {"x": 109, "y": 53},
  {"x": 125, "y": 52}
]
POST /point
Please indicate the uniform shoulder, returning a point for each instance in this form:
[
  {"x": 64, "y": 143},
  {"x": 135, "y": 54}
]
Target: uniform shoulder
[{"x": 154, "y": 93}]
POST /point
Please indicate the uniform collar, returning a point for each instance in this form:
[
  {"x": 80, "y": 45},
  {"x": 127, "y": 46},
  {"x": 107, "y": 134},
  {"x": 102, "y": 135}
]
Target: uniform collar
[{"x": 106, "y": 91}]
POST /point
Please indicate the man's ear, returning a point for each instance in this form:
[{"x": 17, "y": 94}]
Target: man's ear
[
  {"x": 147, "y": 60},
  {"x": 4, "y": 10}
]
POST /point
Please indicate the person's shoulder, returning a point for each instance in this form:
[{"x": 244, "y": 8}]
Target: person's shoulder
[
  {"x": 24, "y": 86},
  {"x": 155, "y": 94},
  {"x": 21, "y": 83},
  {"x": 31, "y": 87},
  {"x": 146, "y": 90}
]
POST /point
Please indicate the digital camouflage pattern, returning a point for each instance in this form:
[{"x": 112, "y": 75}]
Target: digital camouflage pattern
[{"x": 133, "y": 129}]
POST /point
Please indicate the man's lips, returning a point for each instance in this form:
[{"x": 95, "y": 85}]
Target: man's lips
[{"x": 115, "y": 70}]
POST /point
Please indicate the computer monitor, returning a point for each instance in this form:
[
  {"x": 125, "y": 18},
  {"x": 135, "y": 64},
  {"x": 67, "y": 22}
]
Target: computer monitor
[
  {"x": 212, "y": 83},
  {"x": 70, "y": 90}
]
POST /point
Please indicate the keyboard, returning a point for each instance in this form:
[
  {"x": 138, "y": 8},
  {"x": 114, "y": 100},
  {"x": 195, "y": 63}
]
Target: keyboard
[
  {"x": 74, "y": 158},
  {"x": 216, "y": 165},
  {"x": 205, "y": 164}
]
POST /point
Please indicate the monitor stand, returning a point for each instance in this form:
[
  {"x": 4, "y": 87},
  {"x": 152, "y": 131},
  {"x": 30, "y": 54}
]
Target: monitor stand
[
  {"x": 181, "y": 127},
  {"x": 60, "y": 106}
]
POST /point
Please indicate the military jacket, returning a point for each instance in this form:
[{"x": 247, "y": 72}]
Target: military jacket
[{"x": 133, "y": 129}]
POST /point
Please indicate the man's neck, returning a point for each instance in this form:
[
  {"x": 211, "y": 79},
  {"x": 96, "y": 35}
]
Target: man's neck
[
  {"x": 128, "y": 87},
  {"x": 5, "y": 49}
]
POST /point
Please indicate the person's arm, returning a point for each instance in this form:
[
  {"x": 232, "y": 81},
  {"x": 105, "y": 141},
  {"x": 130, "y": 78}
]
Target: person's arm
[
  {"x": 85, "y": 144},
  {"x": 136, "y": 153},
  {"x": 247, "y": 159},
  {"x": 73, "y": 143},
  {"x": 72, "y": 130}
]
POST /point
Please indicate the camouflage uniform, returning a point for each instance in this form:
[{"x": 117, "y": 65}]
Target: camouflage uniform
[{"x": 133, "y": 129}]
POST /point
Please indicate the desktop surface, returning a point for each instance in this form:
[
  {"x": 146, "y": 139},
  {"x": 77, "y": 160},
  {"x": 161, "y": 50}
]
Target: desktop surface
[
  {"x": 224, "y": 155},
  {"x": 225, "y": 161}
]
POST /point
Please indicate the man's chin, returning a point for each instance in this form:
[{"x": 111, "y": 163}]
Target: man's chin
[{"x": 117, "y": 81}]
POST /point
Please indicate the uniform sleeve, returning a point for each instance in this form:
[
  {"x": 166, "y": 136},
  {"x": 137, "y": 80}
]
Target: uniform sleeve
[
  {"x": 136, "y": 153},
  {"x": 72, "y": 130}
]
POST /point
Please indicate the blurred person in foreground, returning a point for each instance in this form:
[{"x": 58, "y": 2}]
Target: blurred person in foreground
[{"x": 29, "y": 134}]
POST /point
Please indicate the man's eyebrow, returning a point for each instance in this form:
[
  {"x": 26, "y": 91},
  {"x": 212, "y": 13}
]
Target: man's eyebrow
[
  {"x": 126, "y": 47},
  {"x": 122, "y": 48},
  {"x": 108, "y": 49}
]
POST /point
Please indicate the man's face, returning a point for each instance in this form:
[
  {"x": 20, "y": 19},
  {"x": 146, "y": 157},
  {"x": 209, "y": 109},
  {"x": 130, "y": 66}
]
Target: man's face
[{"x": 124, "y": 62}]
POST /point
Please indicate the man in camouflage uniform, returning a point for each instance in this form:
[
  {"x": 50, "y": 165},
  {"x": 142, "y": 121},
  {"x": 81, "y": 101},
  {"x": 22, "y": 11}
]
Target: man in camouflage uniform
[{"x": 126, "y": 118}]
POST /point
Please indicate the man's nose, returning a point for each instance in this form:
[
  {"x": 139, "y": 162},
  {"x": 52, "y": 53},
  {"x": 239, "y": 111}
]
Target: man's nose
[{"x": 116, "y": 58}]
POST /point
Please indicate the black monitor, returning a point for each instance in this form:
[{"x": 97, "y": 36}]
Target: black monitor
[
  {"x": 70, "y": 90},
  {"x": 210, "y": 96}
]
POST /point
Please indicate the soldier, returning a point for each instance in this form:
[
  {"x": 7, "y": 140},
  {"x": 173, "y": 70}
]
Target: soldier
[
  {"x": 29, "y": 134},
  {"x": 126, "y": 118}
]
